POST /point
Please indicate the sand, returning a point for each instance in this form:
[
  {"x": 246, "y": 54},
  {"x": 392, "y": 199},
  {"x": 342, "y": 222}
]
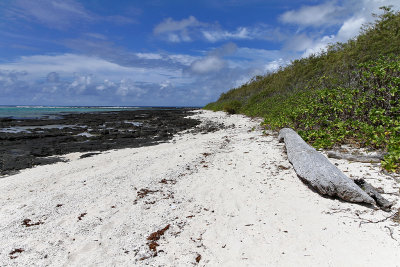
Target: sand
[{"x": 227, "y": 198}]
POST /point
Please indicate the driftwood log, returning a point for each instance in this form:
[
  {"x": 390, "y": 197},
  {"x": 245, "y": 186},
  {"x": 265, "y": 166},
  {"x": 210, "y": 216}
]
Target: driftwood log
[
  {"x": 357, "y": 158},
  {"x": 316, "y": 170},
  {"x": 373, "y": 192}
]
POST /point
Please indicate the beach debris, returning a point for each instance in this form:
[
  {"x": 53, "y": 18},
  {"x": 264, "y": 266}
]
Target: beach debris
[
  {"x": 373, "y": 192},
  {"x": 396, "y": 216},
  {"x": 281, "y": 167},
  {"x": 154, "y": 237},
  {"x": 358, "y": 158},
  {"x": 157, "y": 235},
  {"x": 167, "y": 181},
  {"x": 317, "y": 171},
  {"x": 17, "y": 250},
  {"x": 29, "y": 223},
  {"x": 81, "y": 216},
  {"x": 198, "y": 258},
  {"x": 209, "y": 126},
  {"x": 144, "y": 192}
]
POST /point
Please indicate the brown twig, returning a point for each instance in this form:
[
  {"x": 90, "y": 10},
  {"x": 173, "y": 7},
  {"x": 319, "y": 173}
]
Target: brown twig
[{"x": 390, "y": 232}]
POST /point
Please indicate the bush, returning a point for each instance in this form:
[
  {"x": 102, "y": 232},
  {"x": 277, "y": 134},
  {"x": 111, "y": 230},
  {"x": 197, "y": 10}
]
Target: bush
[{"x": 232, "y": 107}]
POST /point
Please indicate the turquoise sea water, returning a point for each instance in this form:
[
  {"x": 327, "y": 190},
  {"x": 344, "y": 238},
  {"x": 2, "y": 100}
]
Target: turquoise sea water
[{"x": 32, "y": 112}]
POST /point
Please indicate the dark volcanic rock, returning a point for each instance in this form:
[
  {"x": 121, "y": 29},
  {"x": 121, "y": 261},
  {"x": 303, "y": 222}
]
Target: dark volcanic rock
[{"x": 84, "y": 132}]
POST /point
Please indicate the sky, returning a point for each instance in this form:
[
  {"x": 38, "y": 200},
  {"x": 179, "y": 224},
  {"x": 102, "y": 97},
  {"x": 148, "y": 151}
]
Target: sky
[{"x": 160, "y": 52}]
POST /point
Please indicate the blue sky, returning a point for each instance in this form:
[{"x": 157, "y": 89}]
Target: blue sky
[{"x": 159, "y": 52}]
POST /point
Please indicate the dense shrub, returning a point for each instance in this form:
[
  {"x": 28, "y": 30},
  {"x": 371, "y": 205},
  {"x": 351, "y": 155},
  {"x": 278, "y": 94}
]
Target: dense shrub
[{"x": 232, "y": 107}]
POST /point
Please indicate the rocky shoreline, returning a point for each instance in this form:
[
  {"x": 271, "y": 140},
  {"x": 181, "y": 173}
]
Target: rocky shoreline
[{"x": 28, "y": 142}]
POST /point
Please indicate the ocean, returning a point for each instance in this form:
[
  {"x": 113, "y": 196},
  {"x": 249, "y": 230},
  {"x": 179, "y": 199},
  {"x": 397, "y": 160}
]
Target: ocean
[{"x": 35, "y": 112}]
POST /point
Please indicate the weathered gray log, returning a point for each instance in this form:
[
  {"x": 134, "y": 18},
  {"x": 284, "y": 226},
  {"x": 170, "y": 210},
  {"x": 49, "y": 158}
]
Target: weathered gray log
[
  {"x": 372, "y": 192},
  {"x": 357, "y": 158},
  {"x": 315, "y": 169}
]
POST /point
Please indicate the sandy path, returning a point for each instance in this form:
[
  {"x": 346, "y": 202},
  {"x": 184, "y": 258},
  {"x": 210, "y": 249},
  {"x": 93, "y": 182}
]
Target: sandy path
[{"x": 230, "y": 197}]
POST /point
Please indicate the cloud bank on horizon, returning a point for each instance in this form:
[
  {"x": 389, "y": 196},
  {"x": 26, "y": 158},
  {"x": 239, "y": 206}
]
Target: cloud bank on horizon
[{"x": 159, "y": 53}]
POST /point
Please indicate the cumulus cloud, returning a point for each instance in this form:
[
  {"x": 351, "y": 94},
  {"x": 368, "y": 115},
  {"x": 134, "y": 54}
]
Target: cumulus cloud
[
  {"x": 81, "y": 82},
  {"x": 106, "y": 84},
  {"x": 213, "y": 61},
  {"x": 92, "y": 80},
  {"x": 126, "y": 87}
]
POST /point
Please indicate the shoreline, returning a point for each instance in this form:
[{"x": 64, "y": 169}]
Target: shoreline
[
  {"x": 30, "y": 142},
  {"x": 229, "y": 197}
]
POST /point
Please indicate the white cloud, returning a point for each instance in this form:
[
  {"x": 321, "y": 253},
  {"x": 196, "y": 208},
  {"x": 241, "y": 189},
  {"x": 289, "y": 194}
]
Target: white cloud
[
  {"x": 66, "y": 63},
  {"x": 177, "y": 31},
  {"x": 174, "y": 38},
  {"x": 170, "y": 25},
  {"x": 106, "y": 84},
  {"x": 319, "y": 46},
  {"x": 38, "y": 66},
  {"x": 313, "y": 15},
  {"x": 191, "y": 29},
  {"x": 182, "y": 59},
  {"x": 166, "y": 84},
  {"x": 299, "y": 43},
  {"x": 148, "y": 55},
  {"x": 275, "y": 65},
  {"x": 350, "y": 28},
  {"x": 127, "y": 87},
  {"x": 240, "y": 33},
  {"x": 9, "y": 77},
  {"x": 207, "y": 64},
  {"x": 81, "y": 82},
  {"x": 256, "y": 54}
]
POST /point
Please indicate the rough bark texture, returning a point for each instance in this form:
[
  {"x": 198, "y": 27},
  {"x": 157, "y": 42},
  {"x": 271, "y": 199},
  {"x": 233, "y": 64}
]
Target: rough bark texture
[
  {"x": 373, "y": 192},
  {"x": 319, "y": 172}
]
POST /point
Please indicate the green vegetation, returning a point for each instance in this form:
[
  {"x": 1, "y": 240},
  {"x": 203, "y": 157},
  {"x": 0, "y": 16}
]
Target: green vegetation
[
  {"x": 347, "y": 94},
  {"x": 232, "y": 106}
]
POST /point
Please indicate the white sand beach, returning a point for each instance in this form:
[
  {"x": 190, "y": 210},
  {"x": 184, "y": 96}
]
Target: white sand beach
[{"x": 227, "y": 198}]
